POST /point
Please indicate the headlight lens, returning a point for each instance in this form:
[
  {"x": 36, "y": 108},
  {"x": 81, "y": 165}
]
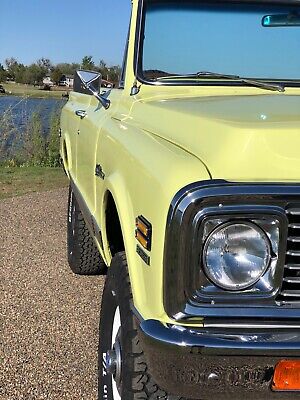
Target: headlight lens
[{"x": 236, "y": 255}]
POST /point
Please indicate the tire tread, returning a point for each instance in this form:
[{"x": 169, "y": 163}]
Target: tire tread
[
  {"x": 83, "y": 255},
  {"x": 142, "y": 385}
]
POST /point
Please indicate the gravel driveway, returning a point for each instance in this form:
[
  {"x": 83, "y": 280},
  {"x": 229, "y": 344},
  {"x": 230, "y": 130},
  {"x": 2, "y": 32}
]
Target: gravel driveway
[{"x": 48, "y": 316}]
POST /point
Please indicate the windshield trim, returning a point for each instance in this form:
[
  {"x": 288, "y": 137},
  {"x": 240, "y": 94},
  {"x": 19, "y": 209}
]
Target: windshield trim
[{"x": 138, "y": 55}]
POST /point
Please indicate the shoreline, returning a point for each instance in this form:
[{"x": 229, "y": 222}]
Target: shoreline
[
  {"x": 22, "y": 90},
  {"x": 31, "y": 96}
]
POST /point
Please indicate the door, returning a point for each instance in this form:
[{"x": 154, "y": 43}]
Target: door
[
  {"x": 70, "y": 127},
  {"x": 92, "y": 118}
]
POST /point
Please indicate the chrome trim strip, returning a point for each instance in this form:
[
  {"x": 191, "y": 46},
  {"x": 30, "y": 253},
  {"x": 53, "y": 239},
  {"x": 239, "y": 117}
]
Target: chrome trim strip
[
  {"x": 294, "y": 253},
  {"x": 201, "y": 342},
  {"x": 291, "y": 293},
  {"x": 292, "y": 267},
  {"x": 248, "y": 325},
  {"x": 294, "y": 239},
  {"x": 292, "y": 279},
  {"x": 294, "y": 226},
  {"x": 293, "y": 211}
]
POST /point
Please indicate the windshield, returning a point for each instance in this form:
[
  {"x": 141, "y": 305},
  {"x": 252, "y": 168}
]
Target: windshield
[{"x": 259, "y": 41}]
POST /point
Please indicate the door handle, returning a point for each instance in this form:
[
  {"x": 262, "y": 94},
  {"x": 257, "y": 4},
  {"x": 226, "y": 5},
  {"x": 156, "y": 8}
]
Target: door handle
[{"x": 81, "y": 113}]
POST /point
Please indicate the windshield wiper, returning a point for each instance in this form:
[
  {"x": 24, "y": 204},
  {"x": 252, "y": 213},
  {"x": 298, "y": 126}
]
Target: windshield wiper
[{"x": 208, "y": 74}]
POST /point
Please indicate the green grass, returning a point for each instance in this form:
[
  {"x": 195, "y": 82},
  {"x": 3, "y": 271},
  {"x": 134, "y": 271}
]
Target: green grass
[
  {"x": 18, "y": 89},
  {"x": 17, "y": 181}
]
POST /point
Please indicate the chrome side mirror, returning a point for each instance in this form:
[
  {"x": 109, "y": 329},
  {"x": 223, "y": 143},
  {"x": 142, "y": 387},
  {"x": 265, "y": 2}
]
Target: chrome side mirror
[{"x": 91, "y": 80}]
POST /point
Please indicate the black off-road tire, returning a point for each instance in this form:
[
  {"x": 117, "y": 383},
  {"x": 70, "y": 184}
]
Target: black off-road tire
[
  {"x": 83, "y": 255},
  {"x": 136, "y": 381}
]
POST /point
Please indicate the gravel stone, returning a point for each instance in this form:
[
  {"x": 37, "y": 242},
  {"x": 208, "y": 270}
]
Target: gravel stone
[{"x": 48, "y": 316}]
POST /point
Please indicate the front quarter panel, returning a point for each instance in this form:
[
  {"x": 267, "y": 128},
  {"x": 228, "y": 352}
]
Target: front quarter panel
[{"x": 143, "y": 173}]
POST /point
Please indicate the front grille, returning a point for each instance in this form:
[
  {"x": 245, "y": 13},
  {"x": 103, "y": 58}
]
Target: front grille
[{"x": 290, "y": 291}]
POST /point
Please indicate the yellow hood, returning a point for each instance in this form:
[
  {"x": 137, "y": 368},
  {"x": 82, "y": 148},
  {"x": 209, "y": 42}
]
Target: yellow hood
[{"x": 238, "y": 138}]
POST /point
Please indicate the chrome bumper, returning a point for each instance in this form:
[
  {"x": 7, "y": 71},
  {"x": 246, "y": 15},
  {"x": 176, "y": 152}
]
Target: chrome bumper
[{"x": 204, "y": 364}]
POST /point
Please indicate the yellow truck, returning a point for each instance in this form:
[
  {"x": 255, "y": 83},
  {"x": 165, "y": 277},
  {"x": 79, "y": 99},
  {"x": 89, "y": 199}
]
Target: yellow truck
[{"x": 185, "y": 192}]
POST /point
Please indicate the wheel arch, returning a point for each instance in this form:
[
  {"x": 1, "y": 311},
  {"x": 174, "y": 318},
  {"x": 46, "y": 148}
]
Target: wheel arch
[
  {"x": 118, "y": 209},
  {"x": 116, "y": 192},
  {"x": 66, "y": 154},
  {"x": 114, "y": 233}
]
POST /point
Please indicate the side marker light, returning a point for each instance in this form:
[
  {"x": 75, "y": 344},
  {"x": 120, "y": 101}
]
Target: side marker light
[{"x": 287, "y": 376}]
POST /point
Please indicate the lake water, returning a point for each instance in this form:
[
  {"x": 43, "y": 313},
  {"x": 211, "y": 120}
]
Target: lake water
[{"x": 21, "y": 109}]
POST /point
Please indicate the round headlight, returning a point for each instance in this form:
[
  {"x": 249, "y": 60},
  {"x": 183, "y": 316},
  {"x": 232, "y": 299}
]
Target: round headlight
[{"x": 236, "y": 255}]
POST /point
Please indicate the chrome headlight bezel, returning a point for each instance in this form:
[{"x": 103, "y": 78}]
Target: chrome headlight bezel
[
  {"x": 194, "y": 212},
  {"x": 213, "y": 275}
]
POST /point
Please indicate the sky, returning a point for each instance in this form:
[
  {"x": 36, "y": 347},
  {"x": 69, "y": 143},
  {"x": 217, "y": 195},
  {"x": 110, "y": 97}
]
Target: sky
[{"x": 63, "y": 30}]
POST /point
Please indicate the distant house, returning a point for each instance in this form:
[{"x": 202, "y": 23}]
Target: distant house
[
  {"x": 47, "y": 81},
  {"x": 70, "y": 80},
  {"x": 67, "y": 80}
]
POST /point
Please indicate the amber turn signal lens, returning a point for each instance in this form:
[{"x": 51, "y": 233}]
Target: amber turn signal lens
[
  {"x": 143, "y": 232},
  {"x": 142, "y": 226},
  {"x": 287, "y": 375},
  {"x": 141, "y": 238}
]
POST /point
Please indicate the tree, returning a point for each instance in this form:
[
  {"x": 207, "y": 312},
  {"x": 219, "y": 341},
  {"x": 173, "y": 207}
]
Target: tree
[
  {"x": 68, "y": 69},
  {"x": 11, "y": 67},
  {"x": 114, "y": 73},
  {"x": 103, "y": 69},
  {"x": 19, "y": 74},
  {"x": 3, "y": 74},
  {"x": 45, "y": 63},
  {"x": 33, "y": 74},
  {"x": 102, "y": 64},
  {"x": 56, "y": 75},
  {"x": 88, "y": 63},
  {"x": 15, "y": 70}
]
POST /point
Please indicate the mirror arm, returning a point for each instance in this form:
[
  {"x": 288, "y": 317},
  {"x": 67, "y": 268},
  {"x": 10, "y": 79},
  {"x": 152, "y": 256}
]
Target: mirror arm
[
  {"x": 105, "y": 102},
  {"x": 87, "y": 79}
]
